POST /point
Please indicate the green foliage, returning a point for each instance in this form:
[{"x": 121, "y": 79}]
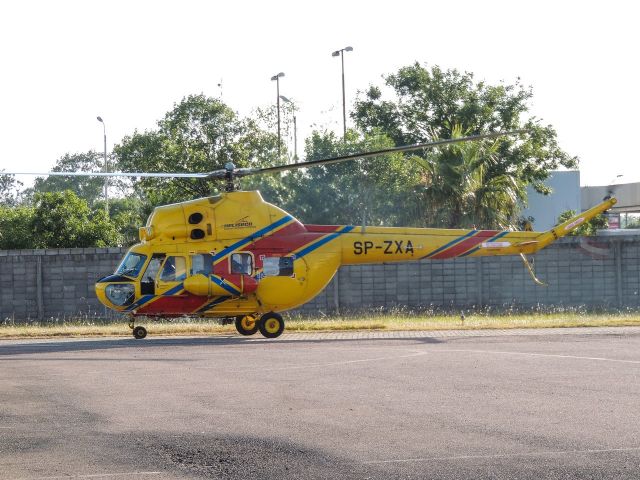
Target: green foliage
[
  {"x": 431, "y": 104},
  {"x": 199, "y": 134},
  {"x": 55, "y": 220},
  {"x": 63, "y": 220},
  {"x": 128, "y": 214},
  {"x": 9, "y": 190},
  {"x": 87, "y": 188},
  {"x": 376, "y": 190},
  {"x": 632, "y": 222},
  {"x": 15, "y": 227},
  {"x": 587, "y": 229},
  {"x": 462, "y": 188}
]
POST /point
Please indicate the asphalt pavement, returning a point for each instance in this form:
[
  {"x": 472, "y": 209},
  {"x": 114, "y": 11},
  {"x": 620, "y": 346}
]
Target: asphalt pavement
[{"x": 525, "y": 404}]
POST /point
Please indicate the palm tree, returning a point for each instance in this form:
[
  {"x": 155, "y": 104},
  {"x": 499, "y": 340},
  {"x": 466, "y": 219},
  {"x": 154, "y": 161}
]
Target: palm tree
[{"x": 466, "y": 185}]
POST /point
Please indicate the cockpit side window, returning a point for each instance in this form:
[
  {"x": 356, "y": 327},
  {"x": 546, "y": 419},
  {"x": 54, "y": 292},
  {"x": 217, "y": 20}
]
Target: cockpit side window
[
  {"x": 148, "y": 281},
  {"x": 174, "y": 269},
  {"x": 131, "y": 265},
  {"x": 152, "y": 269}
]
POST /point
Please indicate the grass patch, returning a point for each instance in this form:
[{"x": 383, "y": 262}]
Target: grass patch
[{"x": 400, "y": 321}]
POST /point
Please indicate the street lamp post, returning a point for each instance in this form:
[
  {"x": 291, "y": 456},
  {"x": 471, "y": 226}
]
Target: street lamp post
[
  {"x": 340, "y": 53},
  {"x": 295, "y": 128},
  {"x": 277, "y": 79},
  {"x": 106, "y": 169}
]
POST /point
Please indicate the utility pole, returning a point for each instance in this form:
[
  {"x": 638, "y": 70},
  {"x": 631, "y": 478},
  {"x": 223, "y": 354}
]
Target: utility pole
[
  {"x": 277, "y": 79},
  {"x": 106, "y": 168},
  {"x": 340, "y": 53}
]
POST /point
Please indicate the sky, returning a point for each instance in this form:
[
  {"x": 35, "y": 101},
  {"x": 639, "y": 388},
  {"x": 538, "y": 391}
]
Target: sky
[{"x": 66, "y": 62}]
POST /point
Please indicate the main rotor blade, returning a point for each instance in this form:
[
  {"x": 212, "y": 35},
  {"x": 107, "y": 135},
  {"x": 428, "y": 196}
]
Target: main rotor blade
[
  {"x": 357, "y": 156},
  {"x": 111, "y": 174}
]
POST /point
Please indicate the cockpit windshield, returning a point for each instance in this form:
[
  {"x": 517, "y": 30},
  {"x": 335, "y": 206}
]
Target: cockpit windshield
[{"x": 131, "y": 265}]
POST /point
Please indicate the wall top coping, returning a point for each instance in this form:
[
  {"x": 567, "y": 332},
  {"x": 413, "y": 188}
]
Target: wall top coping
[{"x": 62, "y": 251}]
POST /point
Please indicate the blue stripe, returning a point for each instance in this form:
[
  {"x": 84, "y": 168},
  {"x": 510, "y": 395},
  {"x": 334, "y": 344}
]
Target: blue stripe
[
  {"x": 451, "y": 243},
  {"x": 220, "y": 282},
  {"x": 173, "y": 290},
  {"x": 475, "y": 249},
  {"x": 141, "y": 301},
  {"x": 212, "y": 304},
  {"x": 251, "y": 238},
  {"x": 322, "y": 241},
  {"x": 147, "y": 298}
]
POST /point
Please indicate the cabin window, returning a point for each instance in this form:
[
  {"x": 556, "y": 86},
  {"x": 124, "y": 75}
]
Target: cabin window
[
  {"x": 242, "y": 263},
  {"x": 131, "y": 265},
  {"x": 277, "y": 266},
  {"x": 174, "y": 269},
  {"x": 148, "y": 282},
  {"x": 201, "y": 263}
]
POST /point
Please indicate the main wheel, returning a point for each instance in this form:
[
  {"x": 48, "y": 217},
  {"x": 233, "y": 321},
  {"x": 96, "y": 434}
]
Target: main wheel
[
  {"x": 271, "y": 325},
  {"x": 139, "y": 332},
  {"x": 246, "y": 325}
]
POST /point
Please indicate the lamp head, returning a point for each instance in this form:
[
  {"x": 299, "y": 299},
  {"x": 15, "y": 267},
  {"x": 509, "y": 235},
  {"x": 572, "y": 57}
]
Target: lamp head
[{"x": 100, "y": 119}]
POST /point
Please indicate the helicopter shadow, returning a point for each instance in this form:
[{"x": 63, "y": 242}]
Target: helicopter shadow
[{"x": 91, "y": 345}]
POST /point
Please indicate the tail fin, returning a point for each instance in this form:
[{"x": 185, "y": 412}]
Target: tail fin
[{"x": 574, "y": 222}]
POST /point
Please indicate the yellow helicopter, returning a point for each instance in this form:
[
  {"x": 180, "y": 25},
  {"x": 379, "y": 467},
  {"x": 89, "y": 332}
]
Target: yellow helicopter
[{"x": 235, "y": 256}]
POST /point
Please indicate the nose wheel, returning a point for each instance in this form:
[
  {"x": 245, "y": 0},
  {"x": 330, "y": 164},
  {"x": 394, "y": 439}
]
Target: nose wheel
[
  {"x": 271, "y": 325},
  {"x": 139, "y": 332}
]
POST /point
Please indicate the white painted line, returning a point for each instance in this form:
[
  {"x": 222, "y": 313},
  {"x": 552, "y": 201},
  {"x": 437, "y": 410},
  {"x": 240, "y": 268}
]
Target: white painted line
[
  {"x": 316, "y": 365},
  {"x": 92, "y": 475},
  {"x": 550, "y": 355},
  {"x": 505, "y": 455}
]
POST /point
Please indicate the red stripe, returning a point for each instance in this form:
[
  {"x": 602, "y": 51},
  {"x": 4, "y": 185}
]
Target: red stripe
[
  {"x": 466, "y": 244},
  {"x": 184, "y": 303}
]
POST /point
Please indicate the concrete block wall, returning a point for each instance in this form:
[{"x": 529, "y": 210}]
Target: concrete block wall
[
  {"x": 55, "y": 283},
  {"x": 594, "y": 272}
]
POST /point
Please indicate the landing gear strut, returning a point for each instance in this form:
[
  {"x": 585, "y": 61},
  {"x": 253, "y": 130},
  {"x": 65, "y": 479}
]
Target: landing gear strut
[{"x": 271, "y": 325}]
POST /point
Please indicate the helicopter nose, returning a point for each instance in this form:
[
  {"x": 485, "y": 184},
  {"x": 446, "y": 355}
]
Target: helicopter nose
[
  {"x": 115, "y": 293},
  {"x": 100, "y": 288}
]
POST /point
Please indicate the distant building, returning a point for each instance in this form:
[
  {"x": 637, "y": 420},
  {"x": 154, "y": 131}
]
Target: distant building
[
  {"x": 565, "y": 195},
  {"x": 627, "y": 194}
]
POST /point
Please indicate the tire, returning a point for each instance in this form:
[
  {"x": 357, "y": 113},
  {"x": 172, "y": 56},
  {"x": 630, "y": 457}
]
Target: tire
[
  {"x": 271, "y": 325},
  {"x": 139, "y": 332},
  {"x": 246, "y": 325}
]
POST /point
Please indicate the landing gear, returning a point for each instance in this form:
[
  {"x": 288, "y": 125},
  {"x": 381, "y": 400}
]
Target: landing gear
[
  {"x": 271, "y": 325},
  {"x": 139, "y": 332},
  {"x": 246, "y": 325}
]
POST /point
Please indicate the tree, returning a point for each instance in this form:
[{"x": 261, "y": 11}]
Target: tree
[
  {"x": 87, "y": 188},
  {"x": 15, "y": 227},
  {"x": 432, "y": 103},
  {"x": 199, "y": 134},
  {"x": 376, "y": 190},
  {"x": 460, "y": 189},
  {"x": 63, "y": 220},
  {"x": 587, "y": 229},
  {"x": 9, "y": 190}
]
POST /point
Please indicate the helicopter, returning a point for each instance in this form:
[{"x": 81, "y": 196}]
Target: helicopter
[{"x": 237, "y": 257}]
